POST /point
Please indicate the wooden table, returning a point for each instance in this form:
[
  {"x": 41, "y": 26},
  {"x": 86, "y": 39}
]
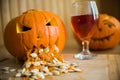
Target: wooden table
[{"x": 106, "y": 66}]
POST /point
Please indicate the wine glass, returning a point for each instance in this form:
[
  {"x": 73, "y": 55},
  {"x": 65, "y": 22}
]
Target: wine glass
[{"x": 84, "y": 21}]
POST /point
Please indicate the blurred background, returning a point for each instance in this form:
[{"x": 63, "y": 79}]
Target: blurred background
[{"x": 12, "y": 8}]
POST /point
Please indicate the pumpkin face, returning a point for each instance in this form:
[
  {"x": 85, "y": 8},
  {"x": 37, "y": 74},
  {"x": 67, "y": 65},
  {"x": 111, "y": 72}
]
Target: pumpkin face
[
  {"x": 34, "y": 29},
  {"x": 107, "y": 34}
]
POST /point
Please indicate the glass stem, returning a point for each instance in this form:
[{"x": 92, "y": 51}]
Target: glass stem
[{"x": 85, "y": 49}]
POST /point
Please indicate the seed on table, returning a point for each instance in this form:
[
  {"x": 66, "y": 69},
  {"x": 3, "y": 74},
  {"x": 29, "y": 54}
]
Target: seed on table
[
  {"x": 18, "y": 75},
  {"x": 63, "y": 70},
  {"x": 35, "y": 71},
  {"x": 77, "y": 70},
  {"x": 71, "y": 70},
  {"x": 74, "y": 64},
  {"x": 28, "y": 64},
  {"x": 23, "y": 70},
  {"x": 12, "y": 70},
  {"x": 41, "y": 75},
  {"x": 54, "y": 61},
  {"x": 19, "y": 70},
  {"x": 49, "y": 73},
  {"x": 45, "y": 69},
  {"x": 27, "y": 74},
  {"x": 34, "y": 77},
  {"x": 31, "y": 79},
  {"x": 55, "y": 72},
  {"x": 63, "y": 67},
  {"x": 5, "y": 68}
]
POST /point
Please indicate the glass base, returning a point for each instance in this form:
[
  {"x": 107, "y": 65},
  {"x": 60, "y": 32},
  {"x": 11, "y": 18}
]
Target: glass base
[{"x": 85, "y": 56}]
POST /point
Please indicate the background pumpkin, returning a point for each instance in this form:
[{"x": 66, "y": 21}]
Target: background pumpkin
[
  {"x": 107, "y": 34},
  {"x": 34, "y": 29}
]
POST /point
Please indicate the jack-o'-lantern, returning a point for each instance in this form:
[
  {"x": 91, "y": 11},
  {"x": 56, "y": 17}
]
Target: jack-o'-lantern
[
  {"x": 35, "y": 29},
  {"x": 107, "y": 34}
]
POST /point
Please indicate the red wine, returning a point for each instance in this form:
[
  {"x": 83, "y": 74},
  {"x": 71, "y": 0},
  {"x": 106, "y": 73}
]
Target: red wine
[{"x": 84, "y": 25}]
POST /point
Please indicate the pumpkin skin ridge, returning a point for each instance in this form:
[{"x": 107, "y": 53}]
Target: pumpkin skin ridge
[
  {"x": 46, "y": 29},
  {"x": 23, "y": 21}
]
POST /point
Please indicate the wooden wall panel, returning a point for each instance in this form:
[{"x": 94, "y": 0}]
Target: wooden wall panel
[
  {"x": 14, "y": 9},
  {"x": 1, "y": 33}
]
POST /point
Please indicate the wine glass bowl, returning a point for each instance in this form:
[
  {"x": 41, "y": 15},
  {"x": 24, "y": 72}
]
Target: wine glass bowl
[{"x": 84, "y": 20}]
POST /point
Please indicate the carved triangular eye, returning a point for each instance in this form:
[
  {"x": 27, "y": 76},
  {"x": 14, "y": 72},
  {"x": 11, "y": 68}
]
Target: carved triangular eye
[
  {"x": 110, "y": 24},
  {"x": 21, "y": 28},
  {"x": 52, "y": 22},
  {"x": 48, "y": 24}
]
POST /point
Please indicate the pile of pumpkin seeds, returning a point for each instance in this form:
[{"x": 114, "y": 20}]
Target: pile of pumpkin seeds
[{"x": 40, "y": 68}]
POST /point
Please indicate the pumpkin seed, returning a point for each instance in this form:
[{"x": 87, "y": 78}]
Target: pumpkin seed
[
  {"x": 56, "y": 48},
  {"x": 36, "y": 63},
  {"x": 45, "y": 69},
  {"x": 19, "y": 70},
  {"x": 34, "y": 71},
  {"x": 52, "y": 54},
  {"x": 33, "y": 55},
  {"x": 18, "y": 75},
  {"x": 5, "y": 68},
  {"x": 49, "y": 73},
  {"x": 34, "y": 77},
  {"x": 56, "y": 72},
  {"x": 27, "y": 73},
  {"x": 23, "y": 70},
  {"x": 12, "y": 70},
  {"x": 46, "y": 50},
  {"x": 41, "y": 75},
  {"x": 77, "y": 69},
  {"x": 41, "y": 50},
  {"x": 28, "y": 64}
]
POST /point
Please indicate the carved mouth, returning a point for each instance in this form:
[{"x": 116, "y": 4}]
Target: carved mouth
[{"x": 103, "y": 38}]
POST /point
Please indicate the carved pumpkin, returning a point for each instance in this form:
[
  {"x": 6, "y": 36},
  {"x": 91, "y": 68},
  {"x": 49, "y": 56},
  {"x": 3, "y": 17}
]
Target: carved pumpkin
[
  {"x": 107, "y": 34},
  {"x": 34, "y": 29}
]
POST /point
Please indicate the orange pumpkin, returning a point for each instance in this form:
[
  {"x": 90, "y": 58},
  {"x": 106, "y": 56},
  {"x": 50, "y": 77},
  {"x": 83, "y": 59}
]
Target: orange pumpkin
[
  {"x": 34, "y": 29},
  {"x": 107, "y": 34}
]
